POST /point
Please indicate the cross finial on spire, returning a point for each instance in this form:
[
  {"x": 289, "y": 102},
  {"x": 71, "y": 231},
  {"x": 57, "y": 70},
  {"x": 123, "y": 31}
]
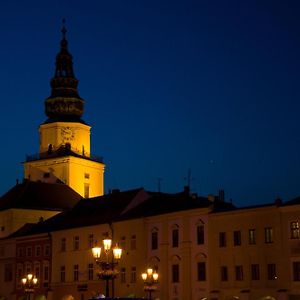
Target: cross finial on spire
[{"x": 64, "y": 30}]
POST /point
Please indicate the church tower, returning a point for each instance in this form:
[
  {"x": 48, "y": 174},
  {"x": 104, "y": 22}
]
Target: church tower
[{"x": 64, "y": 154}]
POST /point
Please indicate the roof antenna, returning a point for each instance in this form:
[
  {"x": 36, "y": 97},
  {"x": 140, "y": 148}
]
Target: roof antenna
[{"x": 159, "y": 180}]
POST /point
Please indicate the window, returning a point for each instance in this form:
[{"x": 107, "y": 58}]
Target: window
[
  {"x": 20, "y": 252},
  {"x": 251, "y": 236},
  {"x": 224, "y": 273},
  {"x": 19, "y": 274},
  {"x": 28, "y": 251},
  {"x": 8, "y": 272},
  {"x": 201, "y": 271},
  {"x": 90, "y": 271},
  {"x": 237, "y": 239},
  {"x": 63, "y": 245},
  {"x": 175, "y": 273},
  {"x": 255, "y": 272},
  {"x": 38, "y": 250},
  {"x": 46, "y": 272},
  {"x": 47, "y": 250},
  {"x": 123, "y": 242},
  {"x": 123, "y": 275},
  {"x": 133, "y": 242},
  {"x": 62, "y": 274},
  {"x": 91, "y": 241},
  {"x": 200, "y": 234},
  {"x": 37, "y": 267},
  {"x": 295, "y": 234},
  {"x": 46, "y": 175},
  {"x": 175, "y": 238},
  {"x": 133, "y": 275},
  {"x": 296, "y": 270},
  {"x": 75, "y": 272},
  {"x": 271, "y": 271},
  {"x": 222, "y": 239},
  {"x": 268, "y": 235},
  {"x": 86, "y": 190},
  {"x": 239, "y": 273},
  {"x": 154, "y": 240},
  {"x": 76, "y": 243},
  {"x": 86, "y": 175}
]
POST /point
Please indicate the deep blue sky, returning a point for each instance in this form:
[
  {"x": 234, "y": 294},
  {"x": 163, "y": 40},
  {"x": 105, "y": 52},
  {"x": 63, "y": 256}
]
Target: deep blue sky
[{"x": 211, "y": 86}]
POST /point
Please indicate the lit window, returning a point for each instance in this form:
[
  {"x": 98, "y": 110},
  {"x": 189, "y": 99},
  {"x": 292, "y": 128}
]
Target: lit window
[
  {"x": 268, "y": 235},
  {"x": 252, "y": 240},
  {"x": 295, "y": 233}
]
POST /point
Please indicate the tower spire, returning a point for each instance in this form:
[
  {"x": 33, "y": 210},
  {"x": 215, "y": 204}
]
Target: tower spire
[{"x": 64, "y": 103}]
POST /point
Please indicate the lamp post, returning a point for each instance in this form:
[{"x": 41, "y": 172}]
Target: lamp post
[
  {"x": 107, "y": 264},
  {"x": 29, "y": 283},
  {"x": 150, "y": 279}
]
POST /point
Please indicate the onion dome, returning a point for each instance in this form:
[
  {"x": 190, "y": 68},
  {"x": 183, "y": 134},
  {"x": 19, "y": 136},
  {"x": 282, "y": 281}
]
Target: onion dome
[{"x": 64, "y": 103}]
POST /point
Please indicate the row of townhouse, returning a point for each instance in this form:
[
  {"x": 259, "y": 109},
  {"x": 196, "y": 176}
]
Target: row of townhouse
[{"x": 200, "y": 251}]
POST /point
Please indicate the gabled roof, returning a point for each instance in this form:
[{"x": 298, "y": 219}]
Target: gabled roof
[
  {"x": 40, "y": 196},
  {"x": 118, "y": 206}
]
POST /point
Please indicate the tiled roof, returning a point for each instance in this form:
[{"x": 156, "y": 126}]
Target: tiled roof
[
  {"x": 40, "y": 196},
  {"x": 119, "y": 206}
]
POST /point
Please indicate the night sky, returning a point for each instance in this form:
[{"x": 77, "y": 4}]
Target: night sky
[{"x": 170, "y": 86}]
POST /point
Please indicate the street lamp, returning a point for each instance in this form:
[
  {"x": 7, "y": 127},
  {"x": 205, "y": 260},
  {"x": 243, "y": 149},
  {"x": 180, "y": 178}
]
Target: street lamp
[
  {"x": 150, "y": 279},
  {"x": 108, "y": 263},
  {"x": 29, "y": 282}
]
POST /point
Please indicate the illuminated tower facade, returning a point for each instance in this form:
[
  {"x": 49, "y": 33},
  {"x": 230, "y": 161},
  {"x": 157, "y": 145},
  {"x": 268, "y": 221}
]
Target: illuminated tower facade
[{"x": 64, "y": 154}]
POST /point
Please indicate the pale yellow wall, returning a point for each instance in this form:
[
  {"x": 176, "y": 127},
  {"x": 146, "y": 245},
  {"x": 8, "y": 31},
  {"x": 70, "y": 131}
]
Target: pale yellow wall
[
  {"x": 261, "y": 253},
  {"x": 83, "y": 257},
  {"x": 290, "y": 247},
  {"x": 186, "y": 255},
  {"x": 70, "y": 170},
  {"x": 60, "y": 133},
  {"x": 13, "y": 219}
]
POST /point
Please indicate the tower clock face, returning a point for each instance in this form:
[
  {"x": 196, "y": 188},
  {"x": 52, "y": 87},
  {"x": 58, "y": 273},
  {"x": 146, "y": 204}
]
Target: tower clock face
[{"x": 67, "y": 134}]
